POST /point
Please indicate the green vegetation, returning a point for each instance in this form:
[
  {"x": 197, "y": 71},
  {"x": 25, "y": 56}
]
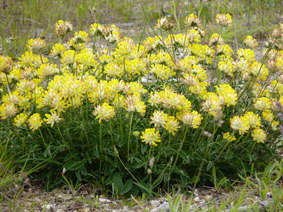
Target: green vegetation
[{"x": 185, "y": 99}]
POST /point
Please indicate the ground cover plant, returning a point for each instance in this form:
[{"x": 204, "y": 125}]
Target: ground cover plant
[
  {"x": 173, "y": 109},
  {"x": 182, "y": 107}
]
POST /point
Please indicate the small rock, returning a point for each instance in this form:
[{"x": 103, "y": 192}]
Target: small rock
[
  {"x": 103, "y": 200},
  {"x": 196, "y": 199},
  {"x": 49, "y": 207},
  {"x": 65, "y": 196},
  {"x": 155, "y": 203},
  {"x": 164, "y": 207}
]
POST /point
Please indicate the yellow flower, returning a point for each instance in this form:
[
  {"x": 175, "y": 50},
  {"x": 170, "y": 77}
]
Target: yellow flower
[
  {"x": 161, "y": 71},
  {"x": 250, "y": 42},
  {"x": 35, "y": 122},
  {"x": 215, "y": 39},
  {"x": 194, "y": 36},
  {"x": 268, "y": 115},
  {"x": 104, "y": 112},
  {"x": 274, "y": 125},
  {"x": 135, "y": 67},
  {"x": 36, "y": 44},
  {"x": 152, "y": 43},
  {"x": 192, "y": 21},
  {"x": 161, "y": 58},
  {"x": 224, "y": 19},
  {"x": 159, "y": 118},
  {"x": 259, "y": 135},
  {"x": 6, "y": 64},
  {"x": 246, "y": 54},
  {"x": 133, "y": 103},
  {"x": 96, "y": 29},
  {"x": 199, "y": 72},
  {"x": 68, "y": 57},
  {"x": 63, "y": 27},
  {"x": 253, "y": 119},
  {"x": 239, "y": 123},
  {"x": 140, "y": 107},
  {"x": 57, "y": 50},
  {"x": 164, "y": 23},
  {"x": 113, "y": 70},
  {"x": 212, "y": 104},
  {"x": 171, "y": 125},
  {"x": 227, "y": 67},
  {"x": 86, "y": 58},
  {"x": 8, "y": 110},
  {"x": 227, "y": 136},
  {"x": 170, "y": 100},
  {"x": 192, "y": 119},
  {"x": 46, "y": 70},
  {"x": 225, "y": 50},
  {"x": 151, "y": 136},
  {"x": 262, "y": 104},
  {"x": 20, "y": 119},
  {"x": 52, "y": 118},
  {"x": 259, "y": 71},
  {"x": 227, "y": 94}
]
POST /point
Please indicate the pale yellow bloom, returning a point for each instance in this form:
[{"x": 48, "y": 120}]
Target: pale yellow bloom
[
  {"x": 151, "y": 136},
  {"x": 259, "y": 135},
  {"x": 35, "y": 122}
]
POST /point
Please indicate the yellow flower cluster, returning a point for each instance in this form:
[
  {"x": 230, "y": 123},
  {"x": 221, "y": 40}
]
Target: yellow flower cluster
[
  {"x": 168, "y": 81},
  {"x": 224, "y": 19},
  {"x": 151, "y": 136}
]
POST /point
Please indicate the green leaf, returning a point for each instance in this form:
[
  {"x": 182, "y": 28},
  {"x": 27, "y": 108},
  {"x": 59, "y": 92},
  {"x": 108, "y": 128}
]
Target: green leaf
[
  {"x": 117, "y": 180},
  {"x": 74, "y": 165},
  {"x": 127, "y": 187}
]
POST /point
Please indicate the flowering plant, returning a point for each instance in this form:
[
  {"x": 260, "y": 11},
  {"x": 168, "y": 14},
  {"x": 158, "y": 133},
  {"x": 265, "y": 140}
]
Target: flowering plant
[{"x": 138, "y": 116}]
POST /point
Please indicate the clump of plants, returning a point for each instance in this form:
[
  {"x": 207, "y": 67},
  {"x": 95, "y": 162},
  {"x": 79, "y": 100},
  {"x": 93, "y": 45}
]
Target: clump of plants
[{"x": 131, "y": 117}]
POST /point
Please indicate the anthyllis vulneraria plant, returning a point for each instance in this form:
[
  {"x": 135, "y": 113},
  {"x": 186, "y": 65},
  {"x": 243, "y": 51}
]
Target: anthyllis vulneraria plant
[{"x": 133, "y": 117}]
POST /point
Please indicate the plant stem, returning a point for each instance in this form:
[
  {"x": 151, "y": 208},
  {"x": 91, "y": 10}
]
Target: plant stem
[
  {"x": 100, "y": 147},
  {"x": 111, "y": 132},
  {"x": 180, "y": 147},
  {"x": 130, "y": 133},
  {"x": 42, "y": 138}
]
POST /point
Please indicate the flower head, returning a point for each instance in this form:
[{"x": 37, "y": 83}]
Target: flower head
[
  {"x": 171, "y": 125},
  {"x": 192, "y": 119},
  {"x": 262, "y": 104},
  {"x": 20, "y": 119},
  {"x": 52, "y": 118},
  {"x": 224, "y": 19},
  {"x": 63, "y": 27},
  {"x": 227, "y": 94},
  {"x": 240, "y": 123},
  {"x": 229, "y": 137},
  {"x": 6, "y": 64},
  {"x": 104, "y": 112},
  {"x": 259, "y": 135},
  {"x": 35, "y": 122},
  {"x": 253, "y": 119},
  {"x": 151, "y": 136},
  {"x": 36, "y": 44},
  {"x": 250, "y": 42},
  {"x": 159, "y": 118}
]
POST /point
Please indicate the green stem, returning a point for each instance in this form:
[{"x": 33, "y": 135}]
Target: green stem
[
  {"x": 100, "y": 147},
  {"x": 42, "y": 138},
  {"x": 180, "y": 147},
  {"x": 169, "y": 139},
  {"x": 111, "y": 133},
  {"x": 150, "y": 175},
  {"x": 130, "y": 133},
  {"x": 58, "y": 128}
]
